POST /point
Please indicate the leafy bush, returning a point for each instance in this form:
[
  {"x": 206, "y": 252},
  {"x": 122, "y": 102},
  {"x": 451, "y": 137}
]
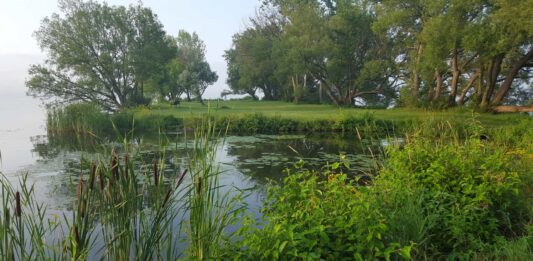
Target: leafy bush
[
  {"x": 474, "y": 192},
  {"x": 318, "y": 215}
]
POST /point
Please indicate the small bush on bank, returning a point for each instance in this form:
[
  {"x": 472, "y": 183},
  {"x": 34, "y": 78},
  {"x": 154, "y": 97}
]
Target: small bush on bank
[{"x": 318, "y": 215}]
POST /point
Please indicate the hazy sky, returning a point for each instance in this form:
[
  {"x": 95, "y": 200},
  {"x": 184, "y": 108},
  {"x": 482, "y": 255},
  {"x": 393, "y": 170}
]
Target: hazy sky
[{"x": 215, "y": 21}]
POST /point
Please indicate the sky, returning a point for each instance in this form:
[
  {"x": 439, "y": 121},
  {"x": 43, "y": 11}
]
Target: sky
[{"x": 215, "y": 21}]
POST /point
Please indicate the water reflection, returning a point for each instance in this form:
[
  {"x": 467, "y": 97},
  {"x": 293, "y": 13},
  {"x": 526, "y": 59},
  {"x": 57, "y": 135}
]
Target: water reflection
[{"x": 245, "y": 161}]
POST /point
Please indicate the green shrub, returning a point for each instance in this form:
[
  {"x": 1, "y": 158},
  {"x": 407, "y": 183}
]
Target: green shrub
[
  {"x": 474, "y": 192},
  {"x": 318, "y": 215}
]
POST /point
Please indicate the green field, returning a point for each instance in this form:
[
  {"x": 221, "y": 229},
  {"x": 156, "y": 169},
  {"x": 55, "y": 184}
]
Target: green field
[{"x": 307, "y": 112}]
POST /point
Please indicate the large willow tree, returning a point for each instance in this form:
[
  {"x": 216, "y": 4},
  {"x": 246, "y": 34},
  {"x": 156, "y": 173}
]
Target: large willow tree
[
  {"x": 455, "y": 52},
  {"x": 99, "y": 53}
]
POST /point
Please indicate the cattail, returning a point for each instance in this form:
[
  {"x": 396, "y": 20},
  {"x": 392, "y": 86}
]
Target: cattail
[
  {"x": 156, "y": 178},
  {"x": 79, "y": 189},
  {"x": 7, "y": 216},
  {"x": 101, "y": 179},
  {"x": 199, "y": 185},
  {"x": 79, "y": 193},
  {"x": 76, "y": 234},
  {"x": 167, "y": 197},
  {"x": 92, "y": 177},
  {"x": 114, "y": 166},
  {"x": 18, "y": 208},
  {"x": 126, "y": 161},
  {"x": 181, "y": 178}
]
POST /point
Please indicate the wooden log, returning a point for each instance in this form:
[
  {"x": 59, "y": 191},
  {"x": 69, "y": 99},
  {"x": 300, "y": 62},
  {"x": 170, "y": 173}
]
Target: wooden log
[{"x": 507, "y": 108}]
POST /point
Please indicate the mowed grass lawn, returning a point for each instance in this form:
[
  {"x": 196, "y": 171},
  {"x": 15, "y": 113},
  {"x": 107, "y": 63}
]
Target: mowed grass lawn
[{"x": 307, "y": 112}]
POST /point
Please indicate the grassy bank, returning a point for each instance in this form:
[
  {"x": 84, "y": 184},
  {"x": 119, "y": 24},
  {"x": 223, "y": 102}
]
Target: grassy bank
[
  {"x": 260, "y": 117},
  {"x": 314, "y": 112}
]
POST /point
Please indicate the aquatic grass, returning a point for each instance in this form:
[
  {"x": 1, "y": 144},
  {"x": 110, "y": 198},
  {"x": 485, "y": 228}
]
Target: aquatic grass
[
  {"x": 211, "y": 210},
  {"x": 23, "y": 223},
  {"x": 124, "y": 209}
]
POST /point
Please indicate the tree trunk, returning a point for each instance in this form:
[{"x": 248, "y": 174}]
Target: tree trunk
[
  {"x": 456, "y": 73},
  {"x": 509, "y": 78},
  {"x": 320, "y": 92},
  {"x": 438, "y": 82},
  {"x": 493, "y": 72},
  {"x": 266, "y": 91},
  {"x": 295, "y": 94},
  {"x": 415, "y": 84},
  {"x": 467, "y": 88}
]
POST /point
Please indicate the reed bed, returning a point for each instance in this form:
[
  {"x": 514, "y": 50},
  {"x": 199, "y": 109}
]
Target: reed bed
[{"x": 126, "y": 210}]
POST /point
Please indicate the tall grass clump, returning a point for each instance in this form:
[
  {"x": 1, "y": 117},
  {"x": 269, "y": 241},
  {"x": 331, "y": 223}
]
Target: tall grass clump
[
  {"x": 83, "y": 118},
  {"x": 471, "y": 194},
  {"x": 212, "y": 207},
  {"x": 23, "y": 225},
  {"x": 80, "y": 119}
]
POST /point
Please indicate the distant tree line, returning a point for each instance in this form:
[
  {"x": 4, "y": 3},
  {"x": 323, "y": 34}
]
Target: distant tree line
[
  {"x": 439, "y": 53},
  {"x": 117, "y": 57}
]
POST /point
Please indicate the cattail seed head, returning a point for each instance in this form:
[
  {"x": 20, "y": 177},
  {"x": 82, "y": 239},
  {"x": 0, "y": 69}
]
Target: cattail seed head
[
  {"x": 79, "y": 189},
  {"x": 114, "y": 166},
  {"x": 101, "y": 180},
  {"x": 199, "y": 185},
  {"x": 93, "y": 176},
  {"x": 18, "y": 207},
  {"x": 167, "y": 197},
  {"x": 180, "y": 180}
]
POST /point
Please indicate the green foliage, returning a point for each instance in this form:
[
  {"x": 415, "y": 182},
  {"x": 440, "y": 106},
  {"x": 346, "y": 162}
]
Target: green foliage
[
  {"x": 84, "y": 118},
  {"x": 89, "y": 119},
  {"x": 99, "y": 53},
  {"x": 451, "y": 196},
  {"x": 193, "y": 74},
  {"x": 319, "y": 215},
  {"x": 297, "y": 51},
  {"x": 474, "y": 192}
]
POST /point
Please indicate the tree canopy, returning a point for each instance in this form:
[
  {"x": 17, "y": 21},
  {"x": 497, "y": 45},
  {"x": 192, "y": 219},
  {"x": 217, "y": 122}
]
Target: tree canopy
[
  {"x": 106, "y": 54},
  {"x": 440, "y": 53}
]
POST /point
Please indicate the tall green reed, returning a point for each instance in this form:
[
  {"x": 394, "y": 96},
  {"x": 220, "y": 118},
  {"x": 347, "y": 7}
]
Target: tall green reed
[
  {"x": 211, "y": 209},
  {"x": 23, "y": 226},
  {"x": 126, "y": 209}
]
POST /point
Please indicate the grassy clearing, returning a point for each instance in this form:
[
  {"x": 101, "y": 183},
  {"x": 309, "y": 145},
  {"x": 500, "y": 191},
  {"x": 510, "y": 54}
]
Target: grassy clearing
[{"x": 310, "y": 112}]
